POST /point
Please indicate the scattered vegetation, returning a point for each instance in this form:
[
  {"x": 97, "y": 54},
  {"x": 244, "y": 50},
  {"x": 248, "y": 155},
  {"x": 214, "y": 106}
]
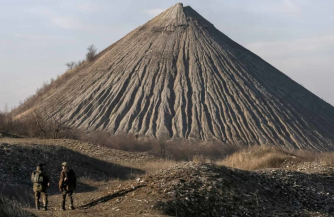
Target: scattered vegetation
[
  {"x": 39, "y": 123},
  {"x": 43, "y": 125},
  {"x": 259, "y": 157},
  {"x": 90, "y": 56},
  {"x": 10, "y": 207},
  {"x": 46, "y": 89},
  {"x": 70, "y": 65},
  {"x": 264, "y": 156},
  {"x": 169, "y": 150}
]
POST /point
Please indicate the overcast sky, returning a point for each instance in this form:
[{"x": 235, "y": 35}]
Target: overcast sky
[{"x": 37, "y": 37}]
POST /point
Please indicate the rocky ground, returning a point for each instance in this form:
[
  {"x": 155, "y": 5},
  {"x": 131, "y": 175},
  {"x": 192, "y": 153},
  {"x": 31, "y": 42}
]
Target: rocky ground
[
  {"x": 108, "y": 188},
  {"x": 191, "y": 189}
]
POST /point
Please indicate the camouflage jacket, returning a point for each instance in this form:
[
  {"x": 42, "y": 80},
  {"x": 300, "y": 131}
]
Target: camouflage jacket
[
  {"x": 67, "y": 180},
  {"x": 42, "y": 186}
]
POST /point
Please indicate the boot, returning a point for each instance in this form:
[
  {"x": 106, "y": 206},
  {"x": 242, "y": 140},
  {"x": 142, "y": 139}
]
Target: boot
[
  {"x": 37, "y": 205},
  {"x": 45, "y": 208},
  {"x": 71, "y": 201},
  {"x": 63, "y": 203}
]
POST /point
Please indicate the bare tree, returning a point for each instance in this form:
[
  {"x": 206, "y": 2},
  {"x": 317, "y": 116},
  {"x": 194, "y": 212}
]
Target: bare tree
[
  {"x": 58, "y": 123},
  {"x": 90, "y": 56},
  {"x": 2, "y": 121},
  {"x": 70, "y": 65},
  {"x": 80, "y": 62},
  {"x": 41, "y": 121},
  {"x": 162, "y": 147},
  {"x": 50, "y": 122},
  {"x": 7, "y": 120}
]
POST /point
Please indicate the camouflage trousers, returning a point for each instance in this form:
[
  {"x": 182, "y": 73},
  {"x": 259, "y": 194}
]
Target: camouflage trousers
[
  {"x": 69, "y": 193},
  {"x": 38, "y": 195}
]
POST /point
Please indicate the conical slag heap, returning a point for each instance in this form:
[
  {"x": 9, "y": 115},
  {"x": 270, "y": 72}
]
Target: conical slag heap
[{"x": 177, "y": 76}]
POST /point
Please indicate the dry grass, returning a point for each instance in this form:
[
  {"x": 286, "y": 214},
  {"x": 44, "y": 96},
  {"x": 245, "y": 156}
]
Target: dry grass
[
  {"x": 153, "y": 167},
  {"x": 181, "y": 150},
  {"x": 10, "y": 207},
  {"x": 261, "y": 157},
  {"x": 250, "y": 158},
  {"x": 326, "y": 158},
  {"x": 198, "y": 151}
]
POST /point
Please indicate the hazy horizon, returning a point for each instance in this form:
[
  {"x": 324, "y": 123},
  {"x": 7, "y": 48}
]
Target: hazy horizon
[{"x": 38, "y": 38}]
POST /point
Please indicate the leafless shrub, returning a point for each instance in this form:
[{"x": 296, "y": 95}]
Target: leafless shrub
[
  {"x": 80, "y": 62},
  {"x": 2, "y": 120},
  {"x": 41, "y": 122},
  {"x": 6, "y": 121},
  {"x": 44, "y": 87},
  {"x": 37, "y": 123},
  {"x": 125, "y": 142},
  {"x": 171, "y": 150},
  {"x": 49, "y": 122},
  {"x": 187, "y": 151},
  {"x": 70, "y": 65},
  {"x": 90, "y": 56},
  {"x": 162, "y": 145}
]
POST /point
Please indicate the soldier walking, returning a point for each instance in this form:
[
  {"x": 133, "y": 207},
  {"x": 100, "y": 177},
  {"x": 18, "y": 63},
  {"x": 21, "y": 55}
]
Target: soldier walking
[
  {"x": 41, "y": 182},
  {"x": 67, "y": 184}
]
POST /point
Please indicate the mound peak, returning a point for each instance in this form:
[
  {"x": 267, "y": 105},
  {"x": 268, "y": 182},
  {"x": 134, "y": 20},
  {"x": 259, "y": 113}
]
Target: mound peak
[
  {"x": 177, "y": 76},
  {"x": 176, "y": 17}
]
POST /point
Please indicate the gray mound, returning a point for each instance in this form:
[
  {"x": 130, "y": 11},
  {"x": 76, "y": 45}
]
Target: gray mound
[{"x": 177, "y": 76}]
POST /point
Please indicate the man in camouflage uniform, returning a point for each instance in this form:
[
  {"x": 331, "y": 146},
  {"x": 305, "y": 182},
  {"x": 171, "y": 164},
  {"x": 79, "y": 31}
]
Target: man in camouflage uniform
[
  {"x": 41, "y": 182},
  {"x": 67, "y": 184}
]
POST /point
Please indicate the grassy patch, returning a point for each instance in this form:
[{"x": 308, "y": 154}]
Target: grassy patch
[{"x": 10, "y": 207}]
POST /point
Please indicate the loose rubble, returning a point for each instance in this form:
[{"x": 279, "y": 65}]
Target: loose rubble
[{"x": 191, "y": 189}]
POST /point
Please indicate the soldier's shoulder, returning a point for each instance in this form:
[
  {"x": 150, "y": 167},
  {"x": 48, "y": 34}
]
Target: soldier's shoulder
[{"x": 44, "y": 173}]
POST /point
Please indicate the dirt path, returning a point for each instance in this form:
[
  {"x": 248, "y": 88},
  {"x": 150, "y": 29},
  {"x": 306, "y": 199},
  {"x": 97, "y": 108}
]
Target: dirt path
[{"x": 101, "y": 202}]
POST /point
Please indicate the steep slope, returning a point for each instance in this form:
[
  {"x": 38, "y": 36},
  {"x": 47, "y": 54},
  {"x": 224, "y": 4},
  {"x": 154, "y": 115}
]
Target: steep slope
[{"x": 177, "y": 76}]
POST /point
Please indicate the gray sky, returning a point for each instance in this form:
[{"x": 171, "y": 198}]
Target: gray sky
[{"x": 37, "y": 37}]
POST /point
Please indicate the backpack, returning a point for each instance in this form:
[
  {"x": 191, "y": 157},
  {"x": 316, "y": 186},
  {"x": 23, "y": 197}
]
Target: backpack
[
  {"x": 36, "y": 177},
  {"x": 70, "y": 177}
]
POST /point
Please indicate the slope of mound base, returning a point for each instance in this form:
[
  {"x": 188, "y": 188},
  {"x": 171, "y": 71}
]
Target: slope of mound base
[
  {"x": 94, "y": 167},
  {"x": 177, "y": 76},
  {"x": 207, "y": 190},
  {"x": 19, "y": 157},
  {"x": 185, "y": 189}
]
